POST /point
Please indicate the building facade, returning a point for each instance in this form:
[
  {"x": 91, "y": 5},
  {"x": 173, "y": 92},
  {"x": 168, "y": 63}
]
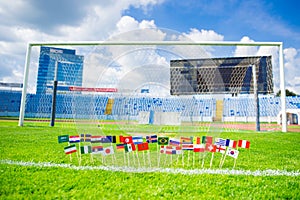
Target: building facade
[{"x": 60, "y": 64}]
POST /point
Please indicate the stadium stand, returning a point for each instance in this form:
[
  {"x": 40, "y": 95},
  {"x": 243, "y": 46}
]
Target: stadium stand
[{"x": 190, "y": 108}]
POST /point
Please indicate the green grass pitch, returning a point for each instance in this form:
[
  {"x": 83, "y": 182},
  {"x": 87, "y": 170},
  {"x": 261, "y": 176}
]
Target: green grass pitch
[{"x": 37, "y": 143}]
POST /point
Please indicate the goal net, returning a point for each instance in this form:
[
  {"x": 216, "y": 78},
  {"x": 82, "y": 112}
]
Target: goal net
[{"x": 172, "y": 84}]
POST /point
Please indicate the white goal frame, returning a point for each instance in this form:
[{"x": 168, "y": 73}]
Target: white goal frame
[{"x": 141, "y": 43}]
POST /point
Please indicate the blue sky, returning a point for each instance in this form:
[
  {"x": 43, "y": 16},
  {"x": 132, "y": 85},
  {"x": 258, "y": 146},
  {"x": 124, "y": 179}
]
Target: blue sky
[{"x": 23, "y": 21}]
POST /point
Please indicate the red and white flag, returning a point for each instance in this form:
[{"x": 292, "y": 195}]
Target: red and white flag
[
  {"x": 244, "y": 144},
  {"x": 221, "y": 149},
  {"x": 108, "y": 151}
]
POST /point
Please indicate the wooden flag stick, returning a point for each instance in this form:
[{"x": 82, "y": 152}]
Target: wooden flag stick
[
  {"x": 194, "y": 159},
  {"x": 128, "y": 160},
  {"x": 158, "y": 158},
  {"x": 149, "y": 158},
  {"x": 188, "y": 161},
  {"x": 222, "y": 157},
  {"x": 144, "y": 158},
  {"x": 223, "y": 160},
  {"x": 234, "y": 163},
  {"x": 182, "y": 158},
  {"x": 211, "y": 160},
  {"x": 138, "y": 159},
  {"x": 203, "y": 159},
  {"x": 158, "y": 155},
  {"x": 124, "y": 156},
  {"x": 133, "y": 157}
]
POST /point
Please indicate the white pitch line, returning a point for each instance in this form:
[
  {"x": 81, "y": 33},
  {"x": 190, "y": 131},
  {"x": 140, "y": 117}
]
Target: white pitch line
[{"x": 269, "y": 172}]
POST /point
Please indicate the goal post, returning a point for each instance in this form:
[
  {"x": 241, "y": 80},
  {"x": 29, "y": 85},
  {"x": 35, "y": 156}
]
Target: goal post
[{"x": 154, "y": 43}]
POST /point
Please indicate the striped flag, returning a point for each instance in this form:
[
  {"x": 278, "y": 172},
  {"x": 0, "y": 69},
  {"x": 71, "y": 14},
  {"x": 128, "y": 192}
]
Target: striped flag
[
  {"x": 96, "y": 139},
  {"x": 74, "y": 139},
  {"x": 85, "y": 149},
  {"x": 151, "y": 138},
  {"x": 113, "y": 138},
  {"x": 129, "y": 147},
  {"x": 137, "y": 139},
  {"x": 207, "y": 139},
  {"x": 120, "y": 147},
  {"x": 196, "y": 140},
  {"x": 70, "y": 149},
  {"x": 199, "y": 148},
  {"x": 186, "y": 140},
  {"x": 174, "y": 142},
  {"x": 97, "y": 149},
  {"x": 187, "y": 147},
  {"x": 244, "y": 144},
  {"x": 220, "y": 141},
  {"x": 231, "y": 143}
]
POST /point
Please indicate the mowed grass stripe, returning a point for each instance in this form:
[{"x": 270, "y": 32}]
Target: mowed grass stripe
[{"x": 161, "y": 170}]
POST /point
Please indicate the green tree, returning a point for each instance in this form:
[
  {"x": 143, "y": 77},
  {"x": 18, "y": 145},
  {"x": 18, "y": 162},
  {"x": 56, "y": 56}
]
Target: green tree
[{"x": 287, "y": 92}]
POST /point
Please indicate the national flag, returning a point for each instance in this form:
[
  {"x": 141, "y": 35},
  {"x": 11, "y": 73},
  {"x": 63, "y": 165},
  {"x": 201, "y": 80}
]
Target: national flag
[
  {"x": 170, "y": 150},
  {"x": 187, "y": 147},
  {"x": 232, "y": 153},
  {"x": 137, "y": 139},
  {"x": 96, "y": 138},
  {"x": 178, "y": 150},
  {"x": 162, "y": 149},
  {"x": 199, "y": 148},
  {"x": 151, "y": 138},
  {"x": 85, "y": 137},
  {"x": 220, "y": 141},
  {"x": 210, "y": 147},
  {"x": 207, "y": 139},
  {"x": 74, "y": 138},
  {"x": 163, "y": 140},
  {"x": 126, "y": 139},
  {"x": 70, "y": 149},
  {"x": 174, "y": 142},
  {"x": 231, "y": 143},
  {"x": 143, "y": 146},
  {"x": 244, "y": 144},
  {"x": 129, "y": 147},
  {"x": 97, "y": 149},
  {"x": 108, "y": 151},
  {"x": 63, "y": 138},
  {"x": 113, "y": 138},
  {"x": 221, "y": 149},
  {"x": 85, "y": 149},
  {"x": 186, "y": 140},
  {"x": 196, "y": 140},
  {"x": 120, "y": 147}
]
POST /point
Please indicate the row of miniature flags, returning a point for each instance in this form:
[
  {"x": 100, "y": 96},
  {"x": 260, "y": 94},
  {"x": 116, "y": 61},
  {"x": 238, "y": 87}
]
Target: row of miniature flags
[
  {"x": 153, "y": 139},
  {"x": 127, "y": 143}
]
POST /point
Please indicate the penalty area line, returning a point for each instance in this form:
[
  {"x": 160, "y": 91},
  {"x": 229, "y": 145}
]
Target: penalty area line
[{"x": 126, "y": 169}]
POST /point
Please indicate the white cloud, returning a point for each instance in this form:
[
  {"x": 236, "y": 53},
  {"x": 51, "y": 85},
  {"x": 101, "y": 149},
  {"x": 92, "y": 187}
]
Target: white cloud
[
  {"x": 203, "y": 35},
  {"x": 35, "y": 21},
  {"x": 246, "y": 50},
  {"x": 292, "y": 66}
]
